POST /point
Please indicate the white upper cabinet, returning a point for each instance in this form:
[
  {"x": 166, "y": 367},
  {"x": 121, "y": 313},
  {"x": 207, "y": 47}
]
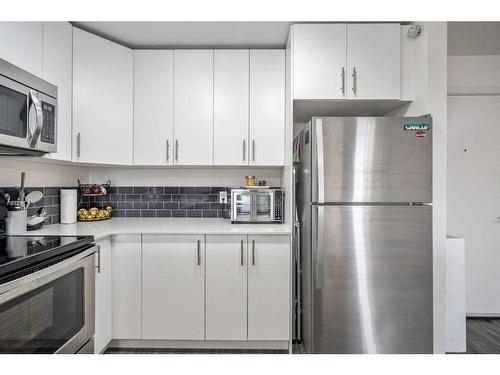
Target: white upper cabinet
[
  {"x": 57, "y": 69},
  {"x": 173, "y": 287},
  {"x": 21, "y": 45},
  {"x": 374, "y": 61},
  {"x": 269, "y": 288},
  {"x": 231, "y": 91},
  {"x": 267, "y": 107},
  {"x": 319, "y": 60},
  {"x": 226, "y": 287},
  {"x": 193, "y": 107},
  {"x": 153, "y": 107},
  {"x": 102, "y": 100}
]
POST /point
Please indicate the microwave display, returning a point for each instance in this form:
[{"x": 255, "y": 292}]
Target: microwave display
[{"x": 48, "y": 128}]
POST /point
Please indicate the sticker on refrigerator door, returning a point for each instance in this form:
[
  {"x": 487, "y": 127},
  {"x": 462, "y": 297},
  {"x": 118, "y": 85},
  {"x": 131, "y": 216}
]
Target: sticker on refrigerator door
[{"x": 420, "y": 129}]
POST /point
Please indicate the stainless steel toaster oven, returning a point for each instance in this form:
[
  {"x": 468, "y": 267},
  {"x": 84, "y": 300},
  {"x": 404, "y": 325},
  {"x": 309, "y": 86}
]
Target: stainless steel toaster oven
[{"x": 254, "y": 205}]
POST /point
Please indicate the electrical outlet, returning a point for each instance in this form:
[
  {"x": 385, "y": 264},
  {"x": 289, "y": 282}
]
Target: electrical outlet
[{"x": 222, "y": 196}]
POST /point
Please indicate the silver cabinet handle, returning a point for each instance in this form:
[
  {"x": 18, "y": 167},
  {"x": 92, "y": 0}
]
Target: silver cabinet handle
[
  {"x": 253, "y": 150},
  {"x": 244, "y": 149},
  {"x": 199, "y": 252},
  {"x": 354, "y": 81},
  {"x": 241, "y": 254},
  {"x": 253, "y": 252},
  {"x": 342, "y": 77},
  {"x": 78, "y": 138},
  {"x": 39, "y": 119},
  {"x": 176, "y": 150},
  {"x": 98, "y": 267},
  {"x": 167, "y": 151}
]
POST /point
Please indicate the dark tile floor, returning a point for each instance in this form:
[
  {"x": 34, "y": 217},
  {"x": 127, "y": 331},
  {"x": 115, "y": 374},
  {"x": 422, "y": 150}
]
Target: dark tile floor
[{"x": 483, "y": 336}]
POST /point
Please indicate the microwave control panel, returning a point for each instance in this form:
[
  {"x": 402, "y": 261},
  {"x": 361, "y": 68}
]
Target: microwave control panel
[
  {"x": 49, "y": 120},
  {"x": 278, "y": 205}
]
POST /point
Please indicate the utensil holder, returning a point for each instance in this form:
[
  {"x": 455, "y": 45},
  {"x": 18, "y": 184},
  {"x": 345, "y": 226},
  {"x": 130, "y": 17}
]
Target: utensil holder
[{"x": 17, "y": 221}]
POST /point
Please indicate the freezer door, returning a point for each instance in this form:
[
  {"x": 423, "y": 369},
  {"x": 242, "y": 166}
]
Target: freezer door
[
  {"x": 372, "y": 159},
  {"x": 372, "y": 279}
]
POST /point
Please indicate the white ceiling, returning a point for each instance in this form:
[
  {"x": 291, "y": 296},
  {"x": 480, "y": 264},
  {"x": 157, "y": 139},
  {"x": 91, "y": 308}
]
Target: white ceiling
[
  {"x": 192, "y": 34},
  {"x": 473, "y": 38}
]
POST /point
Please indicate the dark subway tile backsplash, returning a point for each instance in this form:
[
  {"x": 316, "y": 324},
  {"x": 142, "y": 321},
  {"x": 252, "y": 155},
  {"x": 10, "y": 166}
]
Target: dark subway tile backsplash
[{"x": 141, "y": 201}]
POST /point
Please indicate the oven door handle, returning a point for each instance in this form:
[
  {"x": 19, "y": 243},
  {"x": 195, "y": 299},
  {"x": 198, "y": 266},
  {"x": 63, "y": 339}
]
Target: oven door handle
[{"x": 35, "y": 135}]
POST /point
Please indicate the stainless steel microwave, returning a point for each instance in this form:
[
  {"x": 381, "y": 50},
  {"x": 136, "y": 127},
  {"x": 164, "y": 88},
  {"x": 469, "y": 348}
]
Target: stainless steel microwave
[
  {"x": 257, "y": 205},
  {"x": 28, "y": 112}
]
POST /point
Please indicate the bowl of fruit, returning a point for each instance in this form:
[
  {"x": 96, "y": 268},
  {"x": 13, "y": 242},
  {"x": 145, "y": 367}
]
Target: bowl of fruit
[{"x": 95, "y": 214}]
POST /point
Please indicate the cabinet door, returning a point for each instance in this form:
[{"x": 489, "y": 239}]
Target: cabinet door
[
  {"x": 57, "y": 69},
  {"x": 319, "y": 61},
  {"x": 103, "y": 301},
  {"x": 231, "y": 91},
  {"x": 193, "y": 107},
  {"x": 173, "y": 299},
  {"x": 102, "y": 100},
  {"x": 226, "y": 287},
  {"x": 21, "y": 45},
  {"x": 126, "y": 286},
  {"x": 269, "y": 288},
  {"x": 267, "y": 107},
  {"x": 153, "y": 107},
  {"x": 374, "y": 61}
]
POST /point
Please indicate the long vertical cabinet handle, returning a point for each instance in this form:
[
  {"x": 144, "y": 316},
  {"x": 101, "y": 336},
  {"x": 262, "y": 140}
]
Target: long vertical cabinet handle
[
  {"x": 342, "y": 77},
  {"x": 167, "y": 150},
  {"x": 244, "y": 149},
  {"x": 253, "y": 252},
  {"x": 354, "y": 81},
  {"x": 199, "y": 253},
  {"x": 253, "y": 150},
  {"x": 98, "y": 267},
  {"x": 78, "y": 138},
  {"x": 176, "y": 150},
  {"x": 241, "y": 254}
]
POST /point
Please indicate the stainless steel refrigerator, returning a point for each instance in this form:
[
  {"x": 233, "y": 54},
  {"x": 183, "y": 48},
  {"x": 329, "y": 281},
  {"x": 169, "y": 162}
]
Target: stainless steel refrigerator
[{"x": 364, "y": 208}]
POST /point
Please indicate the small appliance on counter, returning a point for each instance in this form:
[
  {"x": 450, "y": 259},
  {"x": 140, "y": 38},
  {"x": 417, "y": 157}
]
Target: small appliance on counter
[{"x": 257, "y": 205}]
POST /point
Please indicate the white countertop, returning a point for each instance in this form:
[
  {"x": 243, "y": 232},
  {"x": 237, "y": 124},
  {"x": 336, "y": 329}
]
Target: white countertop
[{"x": 113, "y": 226}]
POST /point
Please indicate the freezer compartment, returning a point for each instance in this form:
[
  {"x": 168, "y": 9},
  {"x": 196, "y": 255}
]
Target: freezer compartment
[
  {"x": 371, "y": 159},
  {"x": 372, "y": 279}
]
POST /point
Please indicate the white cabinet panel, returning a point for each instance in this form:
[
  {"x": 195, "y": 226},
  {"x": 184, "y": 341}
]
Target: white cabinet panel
[
  {"x": 102, "y": 100},
  {"x": 319, "y": 61},
  {"x": 226, "y": 287},
  {"x": 153, "y": 107},
  {"x": 374, "y": 61},
  {"x": 173, "y": 296},
  {"x": 21, "y": 45},
  {"x": 126, "y": 286},
  {"x": 267, "y": 107},
  {"x": 193, "y": 107},
  {"x": 103, "y": 300},
  {"x": 57, "y": 69},
  {"x": 269, "y": 288},
  {"x": 231, "y": 91}
]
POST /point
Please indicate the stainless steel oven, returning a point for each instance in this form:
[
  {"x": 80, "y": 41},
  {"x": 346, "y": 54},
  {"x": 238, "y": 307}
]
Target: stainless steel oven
[
  {"x": 50, "y": 310},
  {"x": 254, "y": 205},
  {"x": 28, "y": 112}
]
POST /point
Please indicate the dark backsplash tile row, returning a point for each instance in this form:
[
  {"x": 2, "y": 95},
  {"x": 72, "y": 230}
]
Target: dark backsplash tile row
[{"x": 142, "y": 201}]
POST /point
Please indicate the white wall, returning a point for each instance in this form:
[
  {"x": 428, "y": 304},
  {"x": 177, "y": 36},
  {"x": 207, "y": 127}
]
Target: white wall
[
  {"x": 40, "y": 173},
  {"x": 474, "y": 175}
]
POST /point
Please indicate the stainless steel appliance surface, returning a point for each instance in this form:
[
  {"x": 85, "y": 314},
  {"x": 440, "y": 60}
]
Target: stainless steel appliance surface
[
  {"x": 364, "y": 207},
  {"x": 47, "y": 294},
  {"x": 257, "y": 205},
  {"x": 28, "y": 113}
]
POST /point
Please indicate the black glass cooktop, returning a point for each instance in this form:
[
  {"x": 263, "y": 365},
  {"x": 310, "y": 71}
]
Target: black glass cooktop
[{"x": 18, "y": 252}]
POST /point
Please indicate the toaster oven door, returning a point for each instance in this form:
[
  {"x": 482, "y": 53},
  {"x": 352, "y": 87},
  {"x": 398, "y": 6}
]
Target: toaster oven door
[
  {"x": 242, "y": 203},
  {"x": 263, "y": 206}
]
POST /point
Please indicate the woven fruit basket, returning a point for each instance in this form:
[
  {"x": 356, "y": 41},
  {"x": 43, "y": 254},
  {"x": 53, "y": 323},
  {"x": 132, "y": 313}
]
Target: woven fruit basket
[{"x": 95, "y": 214}]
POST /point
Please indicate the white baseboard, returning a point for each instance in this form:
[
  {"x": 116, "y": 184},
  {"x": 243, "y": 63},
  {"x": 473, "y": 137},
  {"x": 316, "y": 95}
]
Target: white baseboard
[{"x": 170, "y": 344}]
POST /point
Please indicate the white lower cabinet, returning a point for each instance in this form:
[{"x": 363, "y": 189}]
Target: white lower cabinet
[
  {"x": 103, "y": 302},
  {"x": 173, "y": 295},
  {"x": 269, "y": 287},
  {"x": 126, "y": 286},
  {"x": 226, "y": 287}
]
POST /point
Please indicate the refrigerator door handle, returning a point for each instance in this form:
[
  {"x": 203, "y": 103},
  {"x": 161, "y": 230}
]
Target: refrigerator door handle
[
  {"x": 320, "y": 161},
  {"x": 320, "y": 246}
]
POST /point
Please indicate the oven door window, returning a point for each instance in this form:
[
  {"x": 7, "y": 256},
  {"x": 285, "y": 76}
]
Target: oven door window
[
  {"x": 44, "y": 319},
  {"x": 13, "y": 113},
  {"x": 263, "y": 206},
  {"x": 243, "y": 206}
]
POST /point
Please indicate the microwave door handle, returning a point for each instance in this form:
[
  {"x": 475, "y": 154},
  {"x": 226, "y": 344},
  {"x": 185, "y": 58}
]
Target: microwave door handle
[{"x": 39, "y": 118}]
